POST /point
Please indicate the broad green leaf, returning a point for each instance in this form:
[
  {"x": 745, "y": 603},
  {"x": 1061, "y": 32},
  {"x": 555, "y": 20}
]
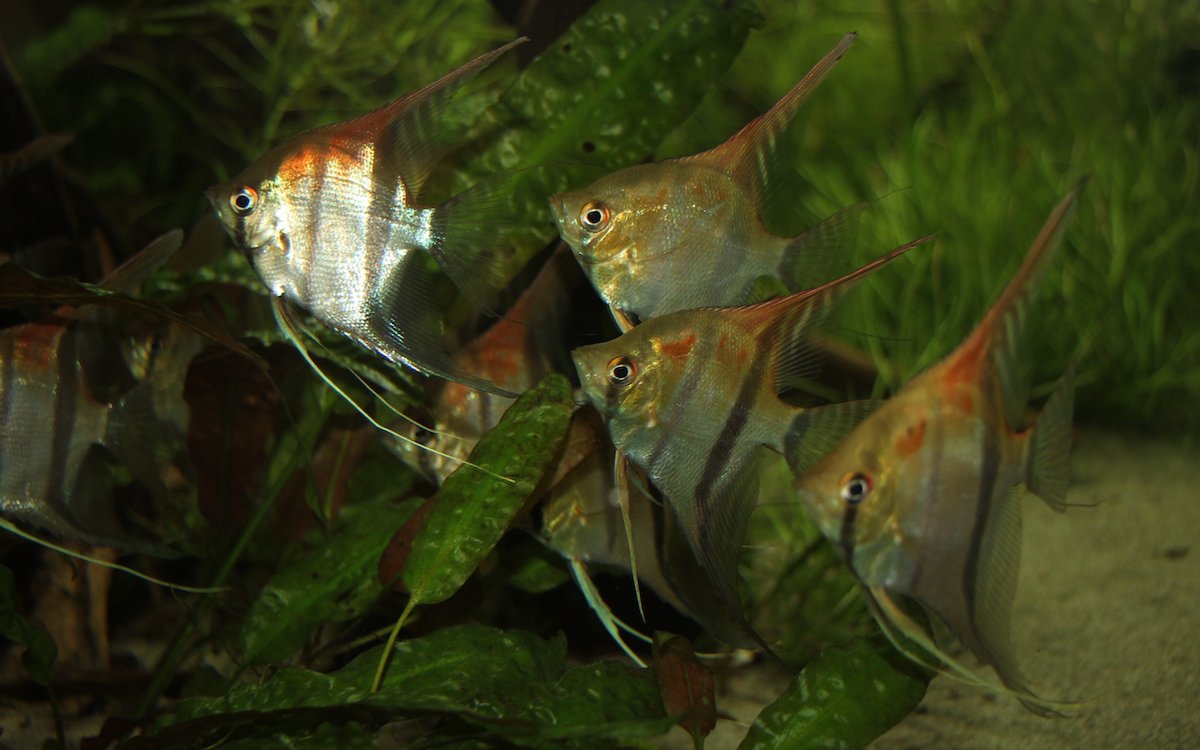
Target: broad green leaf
[
  {"x": 844, "y": 699},
  {"x": 472, "y": 510},
  {"x": 530, "y": 566},
  {"x": 604, "y": 94},
  {"x": 40, "y": 650},
  {"x": 509, "y": 684},
  {"x": 332, "y": 583}
]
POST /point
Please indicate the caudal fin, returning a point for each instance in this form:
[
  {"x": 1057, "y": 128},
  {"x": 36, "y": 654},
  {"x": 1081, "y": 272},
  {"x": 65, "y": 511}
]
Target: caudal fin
[{"x": 1048, "y": 467}]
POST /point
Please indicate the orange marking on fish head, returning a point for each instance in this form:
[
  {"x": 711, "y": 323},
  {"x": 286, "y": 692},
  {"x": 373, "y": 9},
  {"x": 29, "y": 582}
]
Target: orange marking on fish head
[
  {"x": 679, "y": 348},
  {"x": 911, "y": 440},
  {"x": 37, "y": 344}
]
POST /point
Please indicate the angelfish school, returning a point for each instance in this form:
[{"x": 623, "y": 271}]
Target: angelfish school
[{"x": 693, "y": 336}]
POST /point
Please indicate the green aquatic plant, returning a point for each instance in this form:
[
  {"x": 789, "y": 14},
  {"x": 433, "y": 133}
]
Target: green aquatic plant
[{"x": 963, "y": 118}]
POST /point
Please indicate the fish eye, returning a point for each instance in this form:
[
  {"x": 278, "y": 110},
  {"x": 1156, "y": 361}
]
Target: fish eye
[
  {"x": 621, "y": 371},
  {"x": 856, "y": 488},
  {"x": 244, "y": 200},
  {"x": 594, "y": 216}
]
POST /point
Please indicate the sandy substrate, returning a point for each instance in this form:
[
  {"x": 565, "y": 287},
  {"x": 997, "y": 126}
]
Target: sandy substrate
[{"x": 1107, "y": 614}]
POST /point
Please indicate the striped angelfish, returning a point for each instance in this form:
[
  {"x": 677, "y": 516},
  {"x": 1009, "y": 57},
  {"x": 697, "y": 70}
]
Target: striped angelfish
[
  {"x": 332, "y": 222},
  {"x": 690, "y": 397},
  {"x": 688, "y": 232},
  {"x": 921, "y": 497},
  {"x": 79, "y": 390}
]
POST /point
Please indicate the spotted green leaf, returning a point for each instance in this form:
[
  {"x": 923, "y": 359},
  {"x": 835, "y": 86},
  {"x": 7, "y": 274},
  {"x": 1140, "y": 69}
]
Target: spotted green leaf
[
  {"x": 473, "y": 509},
  {"x": 332, "y": 583},
  {"x": 508, "y": 684},
  {"x": 844, "y": 699},
  {"x": 604, "y": 94}
]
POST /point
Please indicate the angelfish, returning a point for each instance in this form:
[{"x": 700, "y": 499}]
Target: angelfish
[
  {"x": 332, "y": 221},
  {"x": 81, "y": 389},
  {"x": 691, "y": 397},
  {"x": 921, "y": 498},
  {"x": 687, "y": 232}
]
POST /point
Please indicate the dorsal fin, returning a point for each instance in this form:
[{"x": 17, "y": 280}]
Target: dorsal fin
[
  {"x": 746, "y": 154},
  {"x": 1000, "y": 335},
  {"x": 408, "y": 130},
  {"x": 786, "y": 321},
  {"x": 128, "y": 276}
]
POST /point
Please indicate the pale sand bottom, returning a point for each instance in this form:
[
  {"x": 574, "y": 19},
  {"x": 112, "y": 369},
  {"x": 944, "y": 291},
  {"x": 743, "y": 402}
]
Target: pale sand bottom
[{"x": 1107, "y": 613}]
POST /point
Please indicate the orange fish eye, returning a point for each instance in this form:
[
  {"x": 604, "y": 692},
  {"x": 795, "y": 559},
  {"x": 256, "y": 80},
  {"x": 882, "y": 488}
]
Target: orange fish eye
[
  {"x": 621, "y": 371},
  {"x": 856, "y": 487},
  {"x": 594, "y": 216},
  {"x": 244, "y": 200}
]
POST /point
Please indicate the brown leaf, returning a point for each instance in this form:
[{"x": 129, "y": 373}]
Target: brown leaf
[
  {"x": 395, "y": 555},
  {"x": 688, "y": 688}
]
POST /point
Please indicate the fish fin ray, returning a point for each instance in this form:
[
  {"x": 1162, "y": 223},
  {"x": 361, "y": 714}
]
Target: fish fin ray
[
  {"x": 1049, "y": 462},
  {"x": 787, "y": 321},
  {"x": 996, "y": 588},
  {"x": 815, "y": 432},
  {"x": 813, "y": 257},
  {"x": 409, "y": 327},
  {"x": 690, "y": 583},
  {"x": 721, "y": 539},
  {"x": 411, "y": 125},
  {"x": 128, "y": 276},
  {"x": 748, "y": 152},
  {"x": 467, "y": 231},
  {"x": 1005, "y": 321}
]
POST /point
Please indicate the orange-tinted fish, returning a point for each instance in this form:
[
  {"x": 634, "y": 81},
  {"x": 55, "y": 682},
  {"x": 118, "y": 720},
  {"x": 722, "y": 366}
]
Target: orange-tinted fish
[
  {"x": 332, "y": 221},
  {"x": 80, "y": 389},
  {"x": 692, "y": 396},
  {"x": 920, "y": 496},
  {"x": 688, "y": 232},
  {"x": 515, "y": 353}
]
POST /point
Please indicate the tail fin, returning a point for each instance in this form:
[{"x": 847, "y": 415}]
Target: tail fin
[
  {"x": 1048, "y": 469},
  {"x": 814, "y": 432},
  {"x": 812, "y": 258}
]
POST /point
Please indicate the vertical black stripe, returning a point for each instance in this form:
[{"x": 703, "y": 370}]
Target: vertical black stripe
[
  {"x": 384, "y": 189},
  {"x": 66, "y": 402},
  {"x": 846, "y": 537},
  {"x": 739, "y": 414},
  {"x": 680, "y": 398},
  {"x": 988, "y": 470}
]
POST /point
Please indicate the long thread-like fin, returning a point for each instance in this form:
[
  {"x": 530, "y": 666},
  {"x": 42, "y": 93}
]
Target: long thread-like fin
[
  {"x": 289, "y": 328},
  {"x": 904, "y": 633},
  {"x": 1048, "y": 470},
  {"x": 612, "y": 624},
  {"x": 748, "y": 153},
  {"x": 13, "y": 529},
  {"x": 621, "y": 480},
  {"x": 128, "y": 276}
]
